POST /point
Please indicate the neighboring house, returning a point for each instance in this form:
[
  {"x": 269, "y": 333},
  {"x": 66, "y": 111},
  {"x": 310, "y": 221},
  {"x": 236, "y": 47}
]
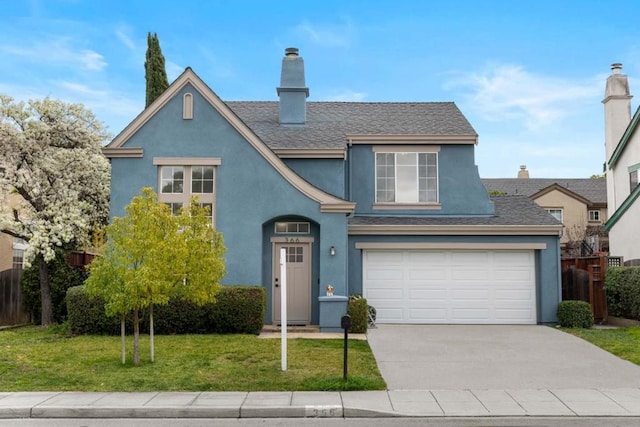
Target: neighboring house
[
  {"x": 379, "y": 199},
  {"x": 579, "y": 204},
  {"x": 622, "y": 163},
  {"x": 11, "y": 248}
]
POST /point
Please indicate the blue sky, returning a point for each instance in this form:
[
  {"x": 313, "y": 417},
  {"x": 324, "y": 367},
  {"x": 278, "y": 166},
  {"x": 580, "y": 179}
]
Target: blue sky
[{"x": 529, "y": 75}]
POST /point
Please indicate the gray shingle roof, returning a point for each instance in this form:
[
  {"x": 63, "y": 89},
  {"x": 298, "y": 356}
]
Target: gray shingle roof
[
  {"x": 594, "y": 190},
  {"x": 328, "y": 123},
  {"x": 510, "y": 210}
]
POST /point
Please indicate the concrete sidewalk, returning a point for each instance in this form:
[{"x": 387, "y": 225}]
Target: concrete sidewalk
[{"x": 620, "y": 402}]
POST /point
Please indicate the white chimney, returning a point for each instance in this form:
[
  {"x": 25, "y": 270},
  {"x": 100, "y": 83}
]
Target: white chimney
[
  {"x": 617, "y": 108},
  {"x": 617, "y": 116}
]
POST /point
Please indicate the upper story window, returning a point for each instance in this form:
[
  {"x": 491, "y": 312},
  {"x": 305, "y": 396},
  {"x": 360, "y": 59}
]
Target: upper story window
[
  {"x": 633, "y": 179},
  {"x": 594, "y": 215},
  {"x": 185, "y": 178},
  {"x": 557, "y": 213},
  {"x": 406, "y": 177},
  {"x": 187, "y": 106}
]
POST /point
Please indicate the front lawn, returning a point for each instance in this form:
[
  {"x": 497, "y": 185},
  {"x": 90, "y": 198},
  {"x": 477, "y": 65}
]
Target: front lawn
[
  {"x": 623, "y": 342},
  {"x": 35, "y": 359}
]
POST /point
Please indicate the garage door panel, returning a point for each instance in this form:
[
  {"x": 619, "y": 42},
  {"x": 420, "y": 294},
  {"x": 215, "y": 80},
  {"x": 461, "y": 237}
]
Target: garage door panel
[
  {"x": 467, "y": 273},
  {"x": 428, "y": 315},
  {"x": 469, "y": 294},
  {"x": 470, "y": 314},
  {"x": 469, "y": 258},
  {"x": 385, "y": 274},
  {"x": 431, "y": 258},
  {"x": 428, "y": 294},
  {"x": 516, "y": 275},
  {"x": 514, "y": 258},
  {"x": 483, "y": 287},
  {"x": 513, "y": 295},
  {"x": 393, "y": 315},
  {"x": 384, "y": 257},
  {"x": 513, "y": 316},
  {"x": 426, "y": 274},
  {"x": 383, "y": 294}
]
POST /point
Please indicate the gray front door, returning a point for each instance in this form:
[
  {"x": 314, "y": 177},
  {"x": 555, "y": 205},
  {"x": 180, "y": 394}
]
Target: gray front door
[{"x": 298, "y": 282}]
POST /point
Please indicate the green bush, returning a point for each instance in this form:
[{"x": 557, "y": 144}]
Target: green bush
[
  {"x": 575, "y": 314},
  {"x": 62, "y": 276},
  {"x": 238, "y": 309},
  {"x": 622, "y": 286},
  {"x": 358, "y": 309},
  {"x": 87, "y": 316},
  {"x": 176, "y": 317}
]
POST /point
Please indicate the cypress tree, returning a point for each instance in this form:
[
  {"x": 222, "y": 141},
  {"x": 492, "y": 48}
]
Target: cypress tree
[{"x": 155, "y": 73}]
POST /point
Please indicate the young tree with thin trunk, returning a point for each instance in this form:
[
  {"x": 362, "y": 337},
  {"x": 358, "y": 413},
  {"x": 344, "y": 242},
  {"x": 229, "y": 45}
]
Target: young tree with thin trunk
[
  {"x": 154, "y": 70},
  {"x": 52, "y": 159},
  {"x": 152, "y": 256}
]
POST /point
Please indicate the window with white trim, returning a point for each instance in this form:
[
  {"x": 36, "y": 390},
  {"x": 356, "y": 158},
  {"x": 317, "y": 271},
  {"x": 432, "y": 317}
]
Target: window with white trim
[
  {"x": 406, "y": 177},
  {"x": 179, "y": 183},
  {"x": 633, "y": 179},
  {"x": 292, "y": 228},
  {"x": 594, "y": 215},
  {"x": 556, "y": 212}
]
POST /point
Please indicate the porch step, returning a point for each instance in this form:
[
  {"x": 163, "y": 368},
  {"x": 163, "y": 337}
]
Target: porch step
[{"x": 292, "y": 328}]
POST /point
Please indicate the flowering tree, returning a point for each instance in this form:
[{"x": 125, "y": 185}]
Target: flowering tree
[
  {"x": 52, "y": 159},
  {"x": 152, "y": 256}
]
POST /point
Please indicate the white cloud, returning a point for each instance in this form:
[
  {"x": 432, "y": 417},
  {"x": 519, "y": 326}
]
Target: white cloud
[
  {"x": 507, "y": 92},
  {"x": 173, "y": 70},
  {"x": 329, "y": 35},
  {"x": 92, "y": 60},
  {"x": 57, "y": 51},
  {"x": 346, "y": 96},
  {"x": 122, "y": 32}
]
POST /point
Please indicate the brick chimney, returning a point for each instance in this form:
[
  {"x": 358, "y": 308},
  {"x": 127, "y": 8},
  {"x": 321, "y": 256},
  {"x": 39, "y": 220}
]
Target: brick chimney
[
  {"x": 523, "y": 173},
  {"x": 293, "y": 92}
]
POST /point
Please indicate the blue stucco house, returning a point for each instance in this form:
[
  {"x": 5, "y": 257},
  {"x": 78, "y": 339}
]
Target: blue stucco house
[{"x": 379, "y": 199}]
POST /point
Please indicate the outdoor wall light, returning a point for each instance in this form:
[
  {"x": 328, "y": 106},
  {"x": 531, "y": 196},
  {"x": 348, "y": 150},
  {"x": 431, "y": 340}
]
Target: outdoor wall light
[{"x": 332, "y": 250}]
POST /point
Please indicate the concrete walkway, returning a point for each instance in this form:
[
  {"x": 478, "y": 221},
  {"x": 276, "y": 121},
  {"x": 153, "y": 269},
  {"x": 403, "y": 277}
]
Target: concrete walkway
[{"x": 621, "y": 402}]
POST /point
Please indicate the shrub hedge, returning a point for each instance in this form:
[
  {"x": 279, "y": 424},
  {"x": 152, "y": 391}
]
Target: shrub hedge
[
  {"x": 575, "y": 314},
  {"x": 622, "y": 286},
  {"x": 358, "y": 309},
  {"x": 238, "y": 309},
  {"x": 86, "y": 316}
]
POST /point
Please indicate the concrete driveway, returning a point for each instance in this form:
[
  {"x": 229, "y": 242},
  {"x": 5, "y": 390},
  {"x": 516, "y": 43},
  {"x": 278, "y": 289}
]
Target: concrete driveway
[{"x": 419, "y": 357}]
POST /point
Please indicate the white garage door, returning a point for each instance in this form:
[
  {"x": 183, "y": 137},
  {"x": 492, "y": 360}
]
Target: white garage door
[{"x": 465, "y": 287}]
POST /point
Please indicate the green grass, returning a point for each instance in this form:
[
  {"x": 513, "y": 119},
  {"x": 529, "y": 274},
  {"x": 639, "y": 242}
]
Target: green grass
[
  {"x": 623, "y": 342},
  {"x": 35, "y": 359}
]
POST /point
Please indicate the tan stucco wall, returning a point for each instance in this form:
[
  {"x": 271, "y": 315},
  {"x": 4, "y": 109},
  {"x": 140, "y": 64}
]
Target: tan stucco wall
[
  {"x": 6, "y": 251},
  {"x": 574, "y": 212},
  {"x": 9, "y": 201}
]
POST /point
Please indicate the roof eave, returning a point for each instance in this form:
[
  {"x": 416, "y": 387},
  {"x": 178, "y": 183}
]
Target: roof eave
[
  {"x": 472, "y": 230},
  {"x": 470, "y": 139}
]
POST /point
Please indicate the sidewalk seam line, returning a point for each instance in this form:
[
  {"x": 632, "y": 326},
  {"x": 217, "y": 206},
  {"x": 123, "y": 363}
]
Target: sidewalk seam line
[{"x": 562, "y": 401}]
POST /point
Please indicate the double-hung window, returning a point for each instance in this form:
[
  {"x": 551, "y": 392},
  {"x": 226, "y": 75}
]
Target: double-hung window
[
  {"x": 407, "y": 177},
  {"x": 556, "y": 213},
  {"x": 181, "y": 178}
]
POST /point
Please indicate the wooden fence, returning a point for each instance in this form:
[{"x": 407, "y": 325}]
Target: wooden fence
[
  {"x": 583, "y": 280},
  {"x": 11, "y": 309}
]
